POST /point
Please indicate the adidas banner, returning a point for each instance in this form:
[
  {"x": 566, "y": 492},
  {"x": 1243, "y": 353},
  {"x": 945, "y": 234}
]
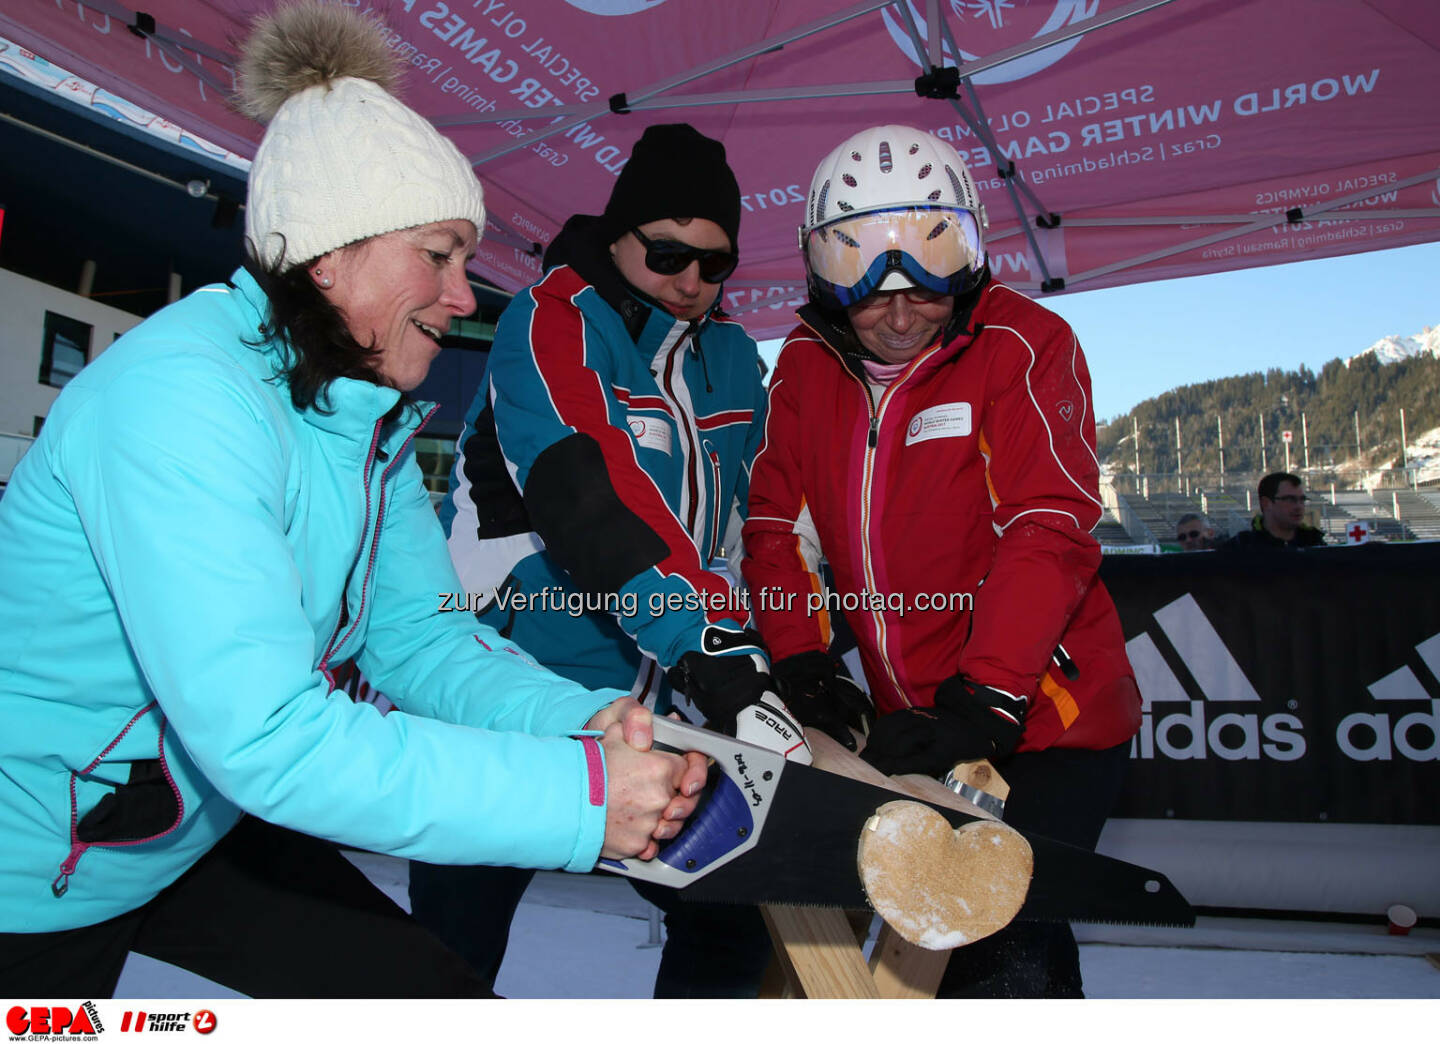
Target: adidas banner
[{"x": 1284, "y": 687}]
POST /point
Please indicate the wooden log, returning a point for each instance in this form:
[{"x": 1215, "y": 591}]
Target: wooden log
[{"x": 816, "y": 949}]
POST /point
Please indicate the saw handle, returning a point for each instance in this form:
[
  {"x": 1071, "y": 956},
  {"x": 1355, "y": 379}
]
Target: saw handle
[{"x": 730, "y": 817}]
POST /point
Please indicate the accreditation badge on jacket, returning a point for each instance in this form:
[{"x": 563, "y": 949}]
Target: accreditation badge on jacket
[
  {"x": 650, "y": 432},
  {"x": 946, "y": 420}
]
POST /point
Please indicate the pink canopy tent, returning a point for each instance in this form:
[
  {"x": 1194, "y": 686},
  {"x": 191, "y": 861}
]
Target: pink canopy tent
[{"x": 1113, "y": 142}]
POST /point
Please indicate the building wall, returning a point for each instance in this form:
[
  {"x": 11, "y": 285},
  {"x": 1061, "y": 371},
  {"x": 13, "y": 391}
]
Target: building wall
[{"x": 23, "y": 304}]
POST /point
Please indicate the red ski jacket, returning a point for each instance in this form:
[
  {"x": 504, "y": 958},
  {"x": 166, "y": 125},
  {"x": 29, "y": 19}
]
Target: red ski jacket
[{"x": 955, "y": 513}]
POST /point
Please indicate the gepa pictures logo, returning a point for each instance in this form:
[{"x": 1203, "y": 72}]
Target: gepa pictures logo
[{"x": 53, "y": 1022}]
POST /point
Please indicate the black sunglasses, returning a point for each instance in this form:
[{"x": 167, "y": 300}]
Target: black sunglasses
[
  {"x": 670, "y": 257},
  {"x": 1190, "y": 536}
]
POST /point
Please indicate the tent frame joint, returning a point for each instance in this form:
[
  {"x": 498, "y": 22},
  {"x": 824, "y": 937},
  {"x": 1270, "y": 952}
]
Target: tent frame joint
[
  {"x": 1050, "y": 220},
  {"x": 619, "y": 104},
  {"x": 940, "y": 83},
  {"x": 143, "y": 26}
]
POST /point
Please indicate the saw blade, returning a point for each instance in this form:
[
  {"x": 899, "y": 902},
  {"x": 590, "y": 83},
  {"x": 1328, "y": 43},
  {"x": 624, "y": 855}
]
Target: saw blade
[
  {"x": 806, "y": 856},
  {"x": 771, "y": 831}
]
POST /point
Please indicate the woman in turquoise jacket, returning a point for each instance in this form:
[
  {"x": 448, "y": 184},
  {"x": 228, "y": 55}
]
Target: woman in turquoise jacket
[{"x": 222, "y": 510}]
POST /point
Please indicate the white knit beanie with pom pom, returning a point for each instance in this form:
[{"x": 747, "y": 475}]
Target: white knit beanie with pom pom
[{"x": 342, "y": 158}]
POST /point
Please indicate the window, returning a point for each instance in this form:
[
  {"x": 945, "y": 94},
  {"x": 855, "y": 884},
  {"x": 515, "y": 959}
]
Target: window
[
  {"x": 435, "y": 457},
  {"x": 67, "y": 349}
]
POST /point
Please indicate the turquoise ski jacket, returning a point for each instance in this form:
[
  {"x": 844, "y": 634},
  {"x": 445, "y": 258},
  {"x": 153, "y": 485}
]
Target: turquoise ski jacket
[{"x": 184, "y": 560}]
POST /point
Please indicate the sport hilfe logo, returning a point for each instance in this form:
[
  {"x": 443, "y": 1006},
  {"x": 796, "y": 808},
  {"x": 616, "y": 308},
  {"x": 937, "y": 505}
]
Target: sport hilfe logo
[{"x": 201, "y": 1021}]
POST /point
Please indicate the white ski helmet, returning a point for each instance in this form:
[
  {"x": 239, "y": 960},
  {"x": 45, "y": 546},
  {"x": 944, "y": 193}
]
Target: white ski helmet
[{"x": 891, "y": 207}]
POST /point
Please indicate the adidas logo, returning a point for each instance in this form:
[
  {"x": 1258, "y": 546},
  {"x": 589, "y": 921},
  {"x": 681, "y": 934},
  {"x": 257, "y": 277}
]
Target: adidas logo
[
  {"x": 1227, "y": 722},
  {"x": 1381, "y": 735},
  {"x": 1197, "y": 730}
]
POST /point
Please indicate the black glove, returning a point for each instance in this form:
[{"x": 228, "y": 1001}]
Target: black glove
[
  {"x": 968, "y": 722},
  {"x": 724, "y": 676},
  {"x": 818, "y": 698}
]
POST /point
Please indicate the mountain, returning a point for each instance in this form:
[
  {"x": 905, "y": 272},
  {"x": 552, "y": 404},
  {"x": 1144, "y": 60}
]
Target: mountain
[
  {"x": 1394, "y": 348},
  {"x": 1345, "y": 420}
]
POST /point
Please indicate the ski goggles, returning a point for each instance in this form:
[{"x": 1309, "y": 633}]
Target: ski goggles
[
  {"x": 937, "y": 248},
  {"x": 670, "y": 257}
]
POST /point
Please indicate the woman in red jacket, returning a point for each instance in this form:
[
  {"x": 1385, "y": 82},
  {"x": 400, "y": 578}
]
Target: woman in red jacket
[{"x": 931, "y": 437}]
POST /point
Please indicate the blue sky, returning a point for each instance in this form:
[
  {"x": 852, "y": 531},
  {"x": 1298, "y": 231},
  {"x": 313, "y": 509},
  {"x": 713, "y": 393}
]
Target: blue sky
[{"x": 1145, "y": 339}]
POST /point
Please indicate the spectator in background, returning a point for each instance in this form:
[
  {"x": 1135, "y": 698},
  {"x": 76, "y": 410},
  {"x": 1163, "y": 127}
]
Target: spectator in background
[
  {"x": 1280, "y": 525},
  {"x": 1194, "y": 534}
]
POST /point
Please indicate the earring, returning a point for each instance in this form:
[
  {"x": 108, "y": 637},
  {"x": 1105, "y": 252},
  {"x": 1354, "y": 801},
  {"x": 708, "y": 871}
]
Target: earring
[{"x": 323, "y": 280}]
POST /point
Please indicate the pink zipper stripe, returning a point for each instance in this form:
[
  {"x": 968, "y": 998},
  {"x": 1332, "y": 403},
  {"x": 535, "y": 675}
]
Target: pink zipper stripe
[
  {"x": 335, "y": 640},
  {"x": 375, "y": 537}
]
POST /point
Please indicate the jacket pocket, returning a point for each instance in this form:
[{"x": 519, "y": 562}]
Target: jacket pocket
[{"x": 145, "y": 806}]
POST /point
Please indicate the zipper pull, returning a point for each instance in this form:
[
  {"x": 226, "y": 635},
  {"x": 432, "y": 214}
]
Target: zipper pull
[
  {"x": 61, "y": 884},
  {"x": 874, "y": 431}
]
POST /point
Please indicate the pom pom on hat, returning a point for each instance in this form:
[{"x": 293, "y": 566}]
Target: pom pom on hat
[
  {"x": 674, "y": 171},
  {"x": 342, "y": 158}
]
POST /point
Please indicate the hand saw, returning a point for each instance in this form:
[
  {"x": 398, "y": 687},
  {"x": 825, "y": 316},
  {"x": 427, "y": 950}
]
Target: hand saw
[{"x": 773, "y": 831}]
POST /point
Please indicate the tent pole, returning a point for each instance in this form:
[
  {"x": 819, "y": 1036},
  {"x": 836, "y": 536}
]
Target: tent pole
[
  {"x": 1266, "y": 221},
  {"x": 979, "y": 126},
  {"x": 1100, "y": 21},
  {"x": 744, "y": 54},
  {"x": 1239, "y": 219},
  {"x": 571, "y": 116}
]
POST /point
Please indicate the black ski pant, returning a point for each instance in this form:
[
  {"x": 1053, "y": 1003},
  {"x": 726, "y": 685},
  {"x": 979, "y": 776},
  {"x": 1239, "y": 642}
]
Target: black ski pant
[
  {"x": 710, "y": 951},
  {"x": 1061, "y": 794},
  {"x": 267, "y": 912}
]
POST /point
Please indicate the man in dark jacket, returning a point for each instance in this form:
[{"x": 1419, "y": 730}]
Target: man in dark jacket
[{"x": 1280, "y": 525}]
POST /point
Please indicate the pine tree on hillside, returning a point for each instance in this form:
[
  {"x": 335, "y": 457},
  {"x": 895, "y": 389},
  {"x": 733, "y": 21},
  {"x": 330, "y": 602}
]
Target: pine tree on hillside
[{"x": 1325, "y": 406}]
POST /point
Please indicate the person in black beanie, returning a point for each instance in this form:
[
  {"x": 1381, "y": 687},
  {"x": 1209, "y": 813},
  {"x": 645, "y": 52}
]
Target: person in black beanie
[
  {"x": 673, "y": 169},
  {"x": 604, "y": 465}
]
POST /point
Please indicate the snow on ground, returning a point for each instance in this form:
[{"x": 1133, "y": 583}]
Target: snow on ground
[
  {"x": 593, "y": 937},
  {"x": 1421, "y": 453}
]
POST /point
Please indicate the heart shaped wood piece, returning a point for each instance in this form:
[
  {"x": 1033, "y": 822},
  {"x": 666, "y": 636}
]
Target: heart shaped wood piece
[{"x": 937, "y": 886}]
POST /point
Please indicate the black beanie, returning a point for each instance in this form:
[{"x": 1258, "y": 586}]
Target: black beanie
[{"x": 675, "y": 171}]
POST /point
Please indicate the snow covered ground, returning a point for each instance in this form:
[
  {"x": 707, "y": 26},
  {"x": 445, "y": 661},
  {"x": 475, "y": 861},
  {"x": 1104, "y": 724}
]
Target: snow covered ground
[
  {"x": 1422, "y": 453},
  {"x": 593, "y": 937}
]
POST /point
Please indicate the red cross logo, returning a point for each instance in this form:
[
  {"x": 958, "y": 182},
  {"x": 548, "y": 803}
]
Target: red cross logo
[{"x": 1358, "y": 532}]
